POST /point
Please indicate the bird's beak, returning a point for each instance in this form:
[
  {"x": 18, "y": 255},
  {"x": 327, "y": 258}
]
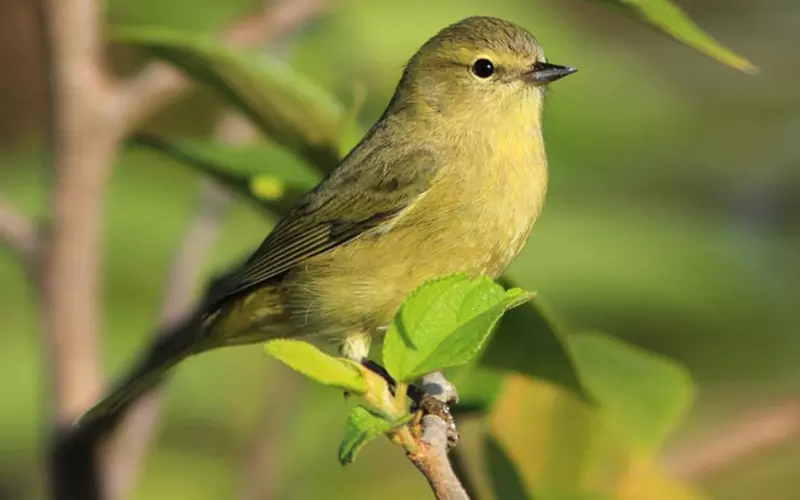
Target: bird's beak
[{"x": 544, "y": 73}]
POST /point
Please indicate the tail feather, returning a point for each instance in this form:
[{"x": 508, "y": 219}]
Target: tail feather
[{"x": 163, "y": 354}]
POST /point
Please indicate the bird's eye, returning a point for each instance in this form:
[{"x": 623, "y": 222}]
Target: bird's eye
[{"x": 483, "y": 68}]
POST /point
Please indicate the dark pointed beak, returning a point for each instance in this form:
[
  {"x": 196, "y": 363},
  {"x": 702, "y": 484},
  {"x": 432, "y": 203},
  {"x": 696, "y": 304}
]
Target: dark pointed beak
[{"x": 544, "y": 73}]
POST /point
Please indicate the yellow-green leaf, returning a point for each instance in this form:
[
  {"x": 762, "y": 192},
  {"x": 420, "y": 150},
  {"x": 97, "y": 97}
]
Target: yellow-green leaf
[
  {"x": 291, "y": 109},
  {"x": 507, "y": 482},
  {"x": 312, "y": 362},
  {"x": 478, "y": 387},
  {"x": 363, "y": 426},
  {"x": 641, "y": 395},
  {"x": 530, "y": 342},
  {"x": 272, "y": 177},
  {"x": 670, "y": 19}
]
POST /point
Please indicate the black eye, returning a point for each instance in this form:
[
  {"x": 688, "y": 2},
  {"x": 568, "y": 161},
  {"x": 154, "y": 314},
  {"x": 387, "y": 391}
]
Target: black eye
[{"x": 483, "y": 68}]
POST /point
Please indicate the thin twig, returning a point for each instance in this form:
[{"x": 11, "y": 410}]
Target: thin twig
[
  {"x": 18, "y": 233},
  {"x": 159, "y": 83},
  {"x": 88, "y": 116},
  {"x": 432, "y": 460},
  {"x": 732, "y": 443},
  {"x": 134, "y": 437},
  {"x": 261, "y": 459}
]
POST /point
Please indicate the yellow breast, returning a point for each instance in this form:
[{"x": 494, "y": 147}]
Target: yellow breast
[
  {"x": 491, "y": 196},
  {"x": 474, "y": 219}
]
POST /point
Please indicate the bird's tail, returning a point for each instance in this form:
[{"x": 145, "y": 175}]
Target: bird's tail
[{"x": 162, "y": 355}]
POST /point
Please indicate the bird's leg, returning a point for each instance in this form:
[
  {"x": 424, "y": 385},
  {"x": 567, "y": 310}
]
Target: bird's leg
[
  {"x": 355, "y": 346},
  {"x": 432, "y": 396}
]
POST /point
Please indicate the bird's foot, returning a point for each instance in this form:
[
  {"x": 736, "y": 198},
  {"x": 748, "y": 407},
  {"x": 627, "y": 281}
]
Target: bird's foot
[
  {"x": 435, "y": 399},
  {"x": 429, "y": 405}
]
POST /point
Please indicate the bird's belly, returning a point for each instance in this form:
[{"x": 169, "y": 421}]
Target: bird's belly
[{"x": 359, "y": 286}]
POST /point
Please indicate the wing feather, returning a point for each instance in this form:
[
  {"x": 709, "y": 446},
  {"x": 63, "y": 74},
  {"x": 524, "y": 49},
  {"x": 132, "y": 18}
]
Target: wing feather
[{"x": 349, "y": 203}]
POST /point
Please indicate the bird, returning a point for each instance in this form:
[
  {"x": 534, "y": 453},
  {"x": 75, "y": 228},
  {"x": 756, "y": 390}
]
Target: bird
[{"x": 450, "y": 179}]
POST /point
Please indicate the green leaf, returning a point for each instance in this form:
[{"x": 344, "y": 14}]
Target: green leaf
[
  {"x": 363, "y": 426},
  {"x": 508, "y": 483},
  {"x": 506, "y": 480},
  {"x": 269, "y": 175},
  {"x": 670, "y": 19},
  {"x": 289, "y": 108},
  {"x": 643, "y": 396},
  {"x": 478, "y": 387},
  {"x": 313, "y": 363},
  {"x": 444, "y": 323},
  {"x": 529, "y": 341}
]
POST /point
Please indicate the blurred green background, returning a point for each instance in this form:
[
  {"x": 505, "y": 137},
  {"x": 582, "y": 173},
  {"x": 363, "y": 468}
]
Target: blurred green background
[{"x": 672, "y": 222}]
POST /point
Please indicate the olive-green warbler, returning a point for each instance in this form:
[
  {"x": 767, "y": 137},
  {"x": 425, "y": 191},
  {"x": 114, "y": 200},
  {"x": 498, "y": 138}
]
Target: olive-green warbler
[{"x": 450, "y": 179}]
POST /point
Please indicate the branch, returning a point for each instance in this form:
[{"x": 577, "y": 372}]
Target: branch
[
  {"x": 136, "y": 434},
  {"x": 739, "y": 440},
  {"x": 159, "y": 83},
  {"x": 432, "y": 460},
  {"x": 132, "y": 441},
  {"x": 262, "y": 457},
  {"x": 83, "y": 145},
  {"x": 146, "y": 93},
  {"x": 19, "y": 234},
  {"x": 87, "y": 119}
]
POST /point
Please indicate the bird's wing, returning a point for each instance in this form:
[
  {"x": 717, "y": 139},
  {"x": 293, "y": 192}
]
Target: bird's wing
[{"x": 350, "y": 202}]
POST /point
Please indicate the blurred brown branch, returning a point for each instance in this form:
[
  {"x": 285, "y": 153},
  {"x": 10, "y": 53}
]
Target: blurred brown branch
[
  {"x": 82, "y": 144},
  {"x": 135, "y": 435},
  {"x": 159, "y": 83},
  {"x": 747, "y": 436},
  {"x": 155, "y": 85},
  {"x": 84, "y": 140},
  {"x": 260, "y": 465},
  {"x": 88, "y": 117},
  {"x": 432, "y": 460},
  {"x": 18, "y": 233}
]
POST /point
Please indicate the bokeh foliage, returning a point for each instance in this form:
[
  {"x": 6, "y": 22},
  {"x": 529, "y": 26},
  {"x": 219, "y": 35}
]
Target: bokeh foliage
[
  {"x": 654, "y": 231},
  {"x": 641, "y": 399}
]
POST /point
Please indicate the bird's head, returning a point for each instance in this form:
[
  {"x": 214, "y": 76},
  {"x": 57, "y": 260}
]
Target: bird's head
[{"x": 480, "y": 66}]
